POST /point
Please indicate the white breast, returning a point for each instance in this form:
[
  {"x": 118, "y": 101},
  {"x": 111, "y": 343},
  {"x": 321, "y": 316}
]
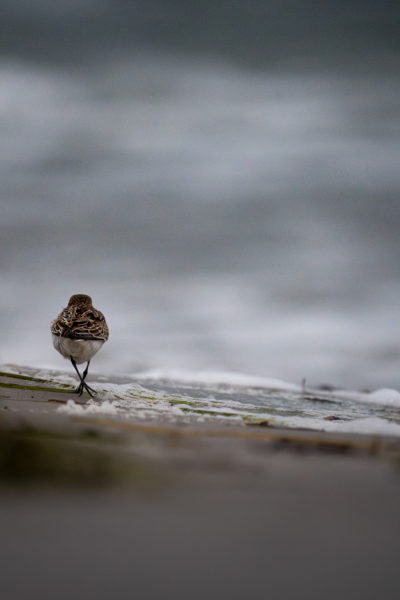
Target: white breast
[{"x": 80, "y": 350}]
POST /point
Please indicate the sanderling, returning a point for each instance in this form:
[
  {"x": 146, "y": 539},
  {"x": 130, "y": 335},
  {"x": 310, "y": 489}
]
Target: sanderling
[{"x": 78, "y": 333}]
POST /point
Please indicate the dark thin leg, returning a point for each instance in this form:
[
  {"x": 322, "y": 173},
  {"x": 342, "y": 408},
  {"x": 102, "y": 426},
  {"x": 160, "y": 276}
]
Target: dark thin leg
[
  {"x": 79, "y": 389},
  {"x": 85, "y": 372},
  {"x": 76, "y": 369}
]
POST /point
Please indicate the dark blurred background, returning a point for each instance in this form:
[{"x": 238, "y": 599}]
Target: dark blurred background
[{"x": 222, "y": 178}]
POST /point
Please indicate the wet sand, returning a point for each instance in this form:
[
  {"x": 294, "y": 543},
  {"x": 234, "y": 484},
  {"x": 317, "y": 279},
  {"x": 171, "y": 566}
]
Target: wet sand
[{"x": 102, "y": 507}]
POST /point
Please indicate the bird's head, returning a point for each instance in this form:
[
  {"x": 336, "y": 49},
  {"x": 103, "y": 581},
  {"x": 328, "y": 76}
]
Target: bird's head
[{"x": 80, "y": 300}]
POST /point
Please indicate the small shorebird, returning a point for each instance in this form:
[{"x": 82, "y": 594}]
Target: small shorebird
[{"x": 78, "y": 333}]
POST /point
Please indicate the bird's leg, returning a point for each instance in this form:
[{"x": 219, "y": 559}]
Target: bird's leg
[
  {"x": 79, "y": 389},
  {"x": 85, "y": 372}
]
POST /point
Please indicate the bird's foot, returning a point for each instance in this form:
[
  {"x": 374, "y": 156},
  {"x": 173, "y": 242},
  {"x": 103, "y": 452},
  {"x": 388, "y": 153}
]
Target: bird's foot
[
  {"x": 89, "y": 390},
  {"x": 83, "y": 385}
]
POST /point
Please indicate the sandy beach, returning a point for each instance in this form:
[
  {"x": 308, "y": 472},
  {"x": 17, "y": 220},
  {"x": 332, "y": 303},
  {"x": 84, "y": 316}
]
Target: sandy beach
[{"x": 101, "y": 506}]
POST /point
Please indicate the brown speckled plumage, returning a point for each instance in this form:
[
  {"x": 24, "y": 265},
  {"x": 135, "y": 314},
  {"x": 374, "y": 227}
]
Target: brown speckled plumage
[{"x": 80, "y": 320}]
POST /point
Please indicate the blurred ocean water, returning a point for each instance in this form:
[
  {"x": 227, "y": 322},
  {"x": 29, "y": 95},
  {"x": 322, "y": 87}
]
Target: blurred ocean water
[{"x": 222, "y": 215}]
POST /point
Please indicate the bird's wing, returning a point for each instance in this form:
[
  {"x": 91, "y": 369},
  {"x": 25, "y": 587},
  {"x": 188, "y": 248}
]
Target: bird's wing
[{"x": 76, "y": 323}]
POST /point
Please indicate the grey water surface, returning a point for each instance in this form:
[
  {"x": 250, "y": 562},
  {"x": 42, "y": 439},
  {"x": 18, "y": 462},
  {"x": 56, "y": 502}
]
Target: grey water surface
[{"x": 223, "y": 180}]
